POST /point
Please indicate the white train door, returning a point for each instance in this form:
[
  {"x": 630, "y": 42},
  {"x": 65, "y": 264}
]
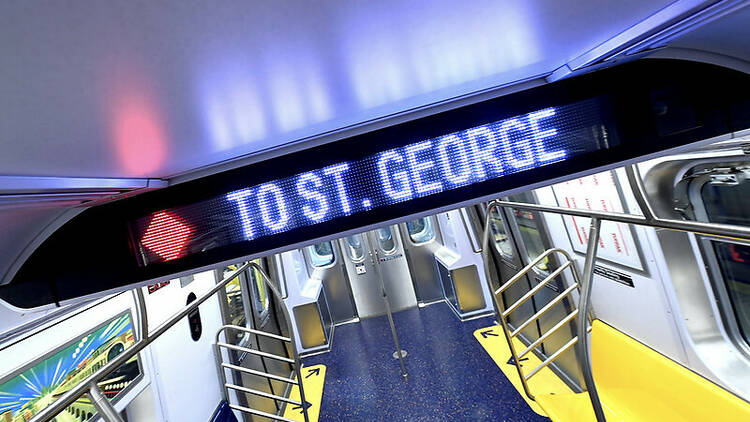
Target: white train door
[{"x": 382, "y": 247}]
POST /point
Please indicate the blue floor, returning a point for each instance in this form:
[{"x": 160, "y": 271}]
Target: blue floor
[{"x": 451, "y": 378}]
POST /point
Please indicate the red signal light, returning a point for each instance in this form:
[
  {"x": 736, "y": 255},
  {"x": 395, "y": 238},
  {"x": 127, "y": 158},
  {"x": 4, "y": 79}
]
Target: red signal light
[{"x": 166, "y": 236}]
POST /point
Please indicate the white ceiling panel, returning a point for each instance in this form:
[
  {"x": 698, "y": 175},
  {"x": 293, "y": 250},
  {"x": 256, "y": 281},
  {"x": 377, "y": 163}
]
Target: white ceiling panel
[{"x": 154, "y": 89}]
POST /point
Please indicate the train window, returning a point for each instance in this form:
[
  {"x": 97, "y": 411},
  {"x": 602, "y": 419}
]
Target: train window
[
  {"x": 321, "y": 254},
  {"x": 725, "y": 202},
  {"x": 420, "y": 230},
  {"x": 385, "y": 240},
  {"x": 500, "y": 237},
  {"x": 354, "y": 247},
  {"x": 260, "y": 294},
  {"x": 734, "y": 263},
  {"x": 532, "y": 237},
  {"x": 720, "y": 198},
  {"x": 236, "y": 314}
]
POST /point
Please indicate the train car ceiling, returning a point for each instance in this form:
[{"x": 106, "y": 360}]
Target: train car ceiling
[
  {"x": 573, "y": 126},
  {"x": 105, "y": 102}
]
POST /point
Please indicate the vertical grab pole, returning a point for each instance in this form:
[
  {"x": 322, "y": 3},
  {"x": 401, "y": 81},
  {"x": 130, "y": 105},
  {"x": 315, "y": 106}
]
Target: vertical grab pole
[
  {"x": 498, "y": 308},
  {"x": 393, "y": 331},
  {"x": 140, "y": 306},
  {"x": 374, "y": 257},
  {"x": 582, "y": 347},
  {"x": 102, "y": 405}
]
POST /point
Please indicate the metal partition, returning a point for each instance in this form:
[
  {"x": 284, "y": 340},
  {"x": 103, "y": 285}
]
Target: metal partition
[
  {"x": 294, "y": 361},
  {"x": 584, "y": 283}
]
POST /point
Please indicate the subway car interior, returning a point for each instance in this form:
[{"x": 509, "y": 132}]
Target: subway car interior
[{"x": 527, "y": 210}]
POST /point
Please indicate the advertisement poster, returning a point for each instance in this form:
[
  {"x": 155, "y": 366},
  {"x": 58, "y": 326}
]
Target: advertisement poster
[
  {"x": 598, "y": 192},
  {"x": 27, "y": 393}
]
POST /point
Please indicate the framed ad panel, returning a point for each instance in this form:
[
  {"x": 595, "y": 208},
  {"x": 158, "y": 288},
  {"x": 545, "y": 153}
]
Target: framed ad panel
[
  {"x": 26, "y": 392},
  {"x": 599, "y": 192}
]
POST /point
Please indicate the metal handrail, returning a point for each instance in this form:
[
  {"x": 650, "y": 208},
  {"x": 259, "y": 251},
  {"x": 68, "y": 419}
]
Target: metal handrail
[
  {"x": 582, "y": 351},
  {"x": 260, "y": 413},
  {"x": 584, "y": 286},
  {"x": 254, "y": 352},
  {"x": 263, "y": 394},
  {"x": 530, "y": 266},
  {"x": 140, "y": 308},
  {"x": 74, "y": 393},
  {"x": 258, "y": 373},
  {"x": 649, "y": 219},
  {"x": 726, "y": 231},
  {"x": 536, "y": 289},
  {"x": 544, "y": 309},
  {"x": 552, "y": 358},
  {"x": 295, "y": 361},
  {"x": 548, "y": 333},
  {"x": 252, "y": 331}
]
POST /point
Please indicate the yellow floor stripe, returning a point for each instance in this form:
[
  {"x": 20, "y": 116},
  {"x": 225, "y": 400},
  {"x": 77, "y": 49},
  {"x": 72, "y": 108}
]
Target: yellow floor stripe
[
  {"x": 544, "y": 382},
  {"x": 313, "y": 378}
]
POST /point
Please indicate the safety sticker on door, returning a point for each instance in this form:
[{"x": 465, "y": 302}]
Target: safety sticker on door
[
  {"x": 313, "y": 378},
  {"x": 361, "y": 269}
]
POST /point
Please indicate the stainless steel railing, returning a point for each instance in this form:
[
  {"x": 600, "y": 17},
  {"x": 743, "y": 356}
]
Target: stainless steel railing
[
  {"x": 581, "y": 314},
  {"x": 648, "y": 219},
  {"x": 294, "y": 361},
  {"x": 90, "y": 383}
]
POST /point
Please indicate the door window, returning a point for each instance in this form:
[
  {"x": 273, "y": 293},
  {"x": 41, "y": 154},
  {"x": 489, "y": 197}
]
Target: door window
[
  {"x": 727, "y": 203},
  {"x": 500, "y": 237},
  {"x": 723, "y": 199},
  {"x": 528, "y": 225},
  {"x": 260, "y": 294},
  {"x": 385, "y": 240},
  {"x": 235, "y": 307},
  {"x": 321, "y": 254},
  {"x": 420, "y": 230},
  {"x": 734, "y": 262},
  {"x": 354, "y": 248}
]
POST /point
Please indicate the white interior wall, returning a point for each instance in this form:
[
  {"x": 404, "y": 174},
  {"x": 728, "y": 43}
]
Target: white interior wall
[
  {"x": 643, "y": 311},
  {"x": 186, "y": 385},
  {"x": 142, "y": 408}
]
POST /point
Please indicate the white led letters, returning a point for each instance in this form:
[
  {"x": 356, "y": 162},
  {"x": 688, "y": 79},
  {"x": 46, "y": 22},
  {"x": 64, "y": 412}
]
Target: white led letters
[{"x": 412, "y": 171}]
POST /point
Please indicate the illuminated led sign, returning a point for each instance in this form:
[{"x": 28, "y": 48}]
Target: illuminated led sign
[
  {"x": 465, "y": 153},
  {"x": 416, "y": 169}
]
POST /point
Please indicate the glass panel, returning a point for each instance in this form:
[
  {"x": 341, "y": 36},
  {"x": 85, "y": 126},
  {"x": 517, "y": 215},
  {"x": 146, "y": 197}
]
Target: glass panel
[
  {"x": 532, "y": 238},
  {"x": 260, "y": 296},
  {"x": 734, "y": 261},
  {"x": 727, "y": 203},
  {"x": 321, "y": 254},
  {"x": 499, "y": 236},
  {"x": 420, "y": 230},
  {"x": 235, "y": 306},
  {"x": 26, "y": 394},
  {"x": 81, "y": 410},
  {"x": 354, "y": 247},
  {"x": 385, "y": 239}
]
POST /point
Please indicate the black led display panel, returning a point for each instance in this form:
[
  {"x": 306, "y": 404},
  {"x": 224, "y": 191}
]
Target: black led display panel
[
  {"x": 581, "y": 124},
  {"x": 418, "y": 169}
]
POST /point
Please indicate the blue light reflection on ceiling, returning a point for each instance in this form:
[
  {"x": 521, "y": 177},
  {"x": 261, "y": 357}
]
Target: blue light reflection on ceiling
[{"x": 385, "y": 63}]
